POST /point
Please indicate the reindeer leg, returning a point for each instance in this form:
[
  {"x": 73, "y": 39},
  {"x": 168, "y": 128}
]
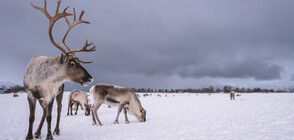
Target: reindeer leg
[
  {"x": 69, "y": 107},
  {"x": 94, "y": 110},
  {"x": 118, "y": 112},
  {"x": 126, "y": 117},
  {"x": 37, "y": 134},
  {"x": 93, "y": 117},
  {"x": 77, "y": 104},
  {"x": 59, "y": 107},
  {"x": 48, "y": 119},
  {"x": 32, "y": 106}
]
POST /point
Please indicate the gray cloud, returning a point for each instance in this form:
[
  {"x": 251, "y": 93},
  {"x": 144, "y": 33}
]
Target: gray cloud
[
  {"x": 246, "y": 69},
  {"x": 140, "y": 42}
]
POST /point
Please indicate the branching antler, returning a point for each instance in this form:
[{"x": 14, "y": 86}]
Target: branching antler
[
  {"x": 64, "y": 15},
  {"x": 70, "y": 26}
]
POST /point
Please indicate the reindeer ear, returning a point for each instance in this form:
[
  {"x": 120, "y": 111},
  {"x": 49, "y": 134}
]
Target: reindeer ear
[{"x": 63, "y": 58}]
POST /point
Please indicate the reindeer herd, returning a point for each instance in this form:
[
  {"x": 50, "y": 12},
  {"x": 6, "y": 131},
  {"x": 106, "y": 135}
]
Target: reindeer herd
[{"x": 45, "y": 77}]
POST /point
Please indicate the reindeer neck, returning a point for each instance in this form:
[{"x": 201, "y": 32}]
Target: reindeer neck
[
  {"x": 44, "y": 70},
  {"x": 135, "y": 104}
]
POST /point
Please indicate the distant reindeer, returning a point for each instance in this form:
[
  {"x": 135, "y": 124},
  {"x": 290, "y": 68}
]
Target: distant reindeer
[
  {"x": 111, "y": 95},
  {"x": 77, "y": 97},
  {"x": 45, "y": 76},
  {"x": 232, "y": 95},
  {"x": 15, "y": 95},
  {"x": 144, "y": 95},
  {"x": 158, "y": 95}
]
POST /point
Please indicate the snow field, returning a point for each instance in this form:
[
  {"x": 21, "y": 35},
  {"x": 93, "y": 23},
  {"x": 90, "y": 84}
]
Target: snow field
[{"x": 183, "y": 117}]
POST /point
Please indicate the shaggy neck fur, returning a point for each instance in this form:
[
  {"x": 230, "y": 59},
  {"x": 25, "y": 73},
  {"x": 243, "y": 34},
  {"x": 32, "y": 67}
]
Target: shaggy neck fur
[
  {"x": 46, "y": 75},
  {"x": 135, "y": 106}
]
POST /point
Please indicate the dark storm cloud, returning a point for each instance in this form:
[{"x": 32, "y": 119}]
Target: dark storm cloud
[
  {"x": 157, "y": 39},
  {"x": 245, "y": 69},
  {"x": 161, "y": 42}
]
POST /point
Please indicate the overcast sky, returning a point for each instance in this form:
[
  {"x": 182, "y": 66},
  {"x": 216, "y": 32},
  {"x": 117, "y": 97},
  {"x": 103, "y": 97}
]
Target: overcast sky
[{"x": 160, "y": 43}]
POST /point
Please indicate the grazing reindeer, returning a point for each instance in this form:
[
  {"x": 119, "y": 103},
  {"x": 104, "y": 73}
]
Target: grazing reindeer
[
  {"x": 77, "y": 97},
  {"x": 145, "y": 95},
  {"x": 232, "y": 95},
  {"x": 15, "y": 95},
  {"x": 138, "y": 95},
  {"x": 45, "y": 76},
  {"x": 111, "y": 95},
  {"x": 158, "y": 95}
]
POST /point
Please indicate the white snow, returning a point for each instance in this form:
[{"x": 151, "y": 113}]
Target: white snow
[{"x": 183, "y": 117}]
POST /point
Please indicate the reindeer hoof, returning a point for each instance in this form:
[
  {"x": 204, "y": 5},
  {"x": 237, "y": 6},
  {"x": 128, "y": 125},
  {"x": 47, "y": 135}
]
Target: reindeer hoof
[
  {"x": 29, "y": 137},
  {"x": 56, "y": 132},
  {"x": 116, "y": 122},
  {"x": 49, "y": 137},
  {"x": 98, "y": 124},
  {"x": 127, "y": 122},
  {"x": 37, "y": 136}
]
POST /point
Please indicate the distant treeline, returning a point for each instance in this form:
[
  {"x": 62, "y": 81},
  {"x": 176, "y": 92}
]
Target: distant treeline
[
  {"x": 211, "y": 89},
  {"x": 13, "y": 89}
]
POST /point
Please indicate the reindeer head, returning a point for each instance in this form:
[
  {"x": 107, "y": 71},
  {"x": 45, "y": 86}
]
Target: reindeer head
[
  {"x": 87, "y": 109},
  {"x": 141, "y": 116},
  {"x": 73, "y": 70}
]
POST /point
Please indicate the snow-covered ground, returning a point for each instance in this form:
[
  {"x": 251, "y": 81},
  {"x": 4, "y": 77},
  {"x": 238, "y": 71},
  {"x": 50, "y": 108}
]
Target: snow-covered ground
[{"x": 183, "y": 117}]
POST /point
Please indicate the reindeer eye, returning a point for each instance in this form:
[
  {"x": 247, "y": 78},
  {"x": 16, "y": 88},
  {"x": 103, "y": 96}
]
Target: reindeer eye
[{"x": 72, "y": 64}]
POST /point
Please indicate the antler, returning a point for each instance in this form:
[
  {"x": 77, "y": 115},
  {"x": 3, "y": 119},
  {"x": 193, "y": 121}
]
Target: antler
[
  {"x": 58, "y": 16},
  {"x": 52, "y": 20},
  {"x": 70, "y": 26}
]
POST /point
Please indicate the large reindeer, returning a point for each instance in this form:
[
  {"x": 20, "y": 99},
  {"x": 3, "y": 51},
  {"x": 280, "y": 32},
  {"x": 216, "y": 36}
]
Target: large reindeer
[
  {"x": 45, "y": 76},
  {"x": 111, "y": 95}
]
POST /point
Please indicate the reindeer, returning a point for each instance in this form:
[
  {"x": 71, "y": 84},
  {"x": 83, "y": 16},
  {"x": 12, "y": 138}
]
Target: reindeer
[
  {"x": 158, "y": 95},
  {"x": 15, "y": 95},
  {"x": 111, "y": 95},
  {"x": 45, "y": 76},
  {"x": 77, "y": 97},
  {"x": 232, "y": 95}
]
